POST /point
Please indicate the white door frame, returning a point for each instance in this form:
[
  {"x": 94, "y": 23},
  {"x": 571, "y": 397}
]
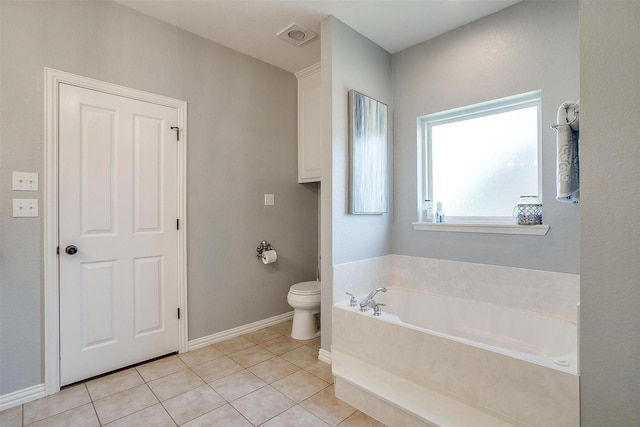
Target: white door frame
[{"x": 53, "y": 78}]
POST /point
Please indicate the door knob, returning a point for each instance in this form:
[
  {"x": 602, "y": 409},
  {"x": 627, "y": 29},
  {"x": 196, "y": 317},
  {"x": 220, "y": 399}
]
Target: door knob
[{"x": 71, "y": 249}]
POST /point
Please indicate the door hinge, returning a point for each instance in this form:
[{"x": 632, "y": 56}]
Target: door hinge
[
  {"x": 178, "y": 312},
  {"x": 177, "y": 129},
  {"x": 177, "y": 223},
  {"x": 58, "y": 250}
]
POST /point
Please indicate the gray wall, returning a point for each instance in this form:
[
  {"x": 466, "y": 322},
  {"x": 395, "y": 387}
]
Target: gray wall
[
  {"x": 242, "y": 143},
  {"x": 349, "y": 61},
  {"x": 610, "y": 248},
  {"x": 356, "y": 63},
  {"x": 529, "y": 46}
]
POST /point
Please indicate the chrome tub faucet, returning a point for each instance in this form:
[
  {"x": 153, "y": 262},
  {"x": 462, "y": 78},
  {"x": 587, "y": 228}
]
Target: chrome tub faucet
[{"x": 368, "y": 301}]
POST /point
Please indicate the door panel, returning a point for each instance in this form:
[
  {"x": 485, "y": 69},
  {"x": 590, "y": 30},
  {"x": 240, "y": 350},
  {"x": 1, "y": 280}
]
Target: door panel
[
  {"x": 148, "y": 295},
  {"x": 97, "y": 303},
  {"x": 98, "y": 169},
  {"x": 118, "y": 205},
  {"x": 148, "y": 174}
]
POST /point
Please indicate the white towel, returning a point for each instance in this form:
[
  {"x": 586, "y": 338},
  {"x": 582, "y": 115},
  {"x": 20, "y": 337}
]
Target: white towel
[{"x": 568, "y": 165}]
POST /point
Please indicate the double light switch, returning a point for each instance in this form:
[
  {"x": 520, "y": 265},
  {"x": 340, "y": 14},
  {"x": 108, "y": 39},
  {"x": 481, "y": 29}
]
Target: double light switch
[{"x": 25, "y": 181}]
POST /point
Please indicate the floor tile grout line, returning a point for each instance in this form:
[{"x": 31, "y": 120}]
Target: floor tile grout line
[
  {"x": 288, "y": 409},
  {"x": 205, "y": 384},
  {"x": 135, "y": 412},
  {"x": 213, "y": 388},
  {"x": 169, "y": 414},
  {"x": 159, "y": 401},
  {"x": 163, "y": 376},
  {"x": 167, "y": 411},
  {"x": 304, "y": 368},
  {"x": 241, "y": 414},
  {"x": 57, "y": 413},
  {"x": 226, "y": 401},
  {"x": 275, "y": 389},
  {"x": 93, "y": 405},
  {"x": 229, "y": 402}
]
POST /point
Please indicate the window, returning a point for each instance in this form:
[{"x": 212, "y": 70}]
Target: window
[{"x": 478, "y": 160}]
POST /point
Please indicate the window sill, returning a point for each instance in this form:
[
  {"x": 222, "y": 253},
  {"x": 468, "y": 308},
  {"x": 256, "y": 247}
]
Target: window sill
[{"x": 530, "y": 230}]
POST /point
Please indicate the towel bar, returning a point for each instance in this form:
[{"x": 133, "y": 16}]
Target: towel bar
[{"x": 577, "y": 115}]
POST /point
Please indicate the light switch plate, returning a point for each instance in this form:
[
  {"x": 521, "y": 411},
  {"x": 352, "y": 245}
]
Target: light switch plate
[
  {"x": 269, "y": 200},
  {"x": 25, "y": 181},
  {"x": 25, "y": 208}
]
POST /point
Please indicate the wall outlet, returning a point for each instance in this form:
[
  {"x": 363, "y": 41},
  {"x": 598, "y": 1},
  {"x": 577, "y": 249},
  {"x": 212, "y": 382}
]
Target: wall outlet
[
  {"x": 25, "y": 208},
  {"x": 25, "y": 181},
  {"x": 269, "y": 200}
]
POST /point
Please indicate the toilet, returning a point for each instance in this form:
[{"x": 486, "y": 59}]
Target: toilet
[{"x": 304, "y": 298}]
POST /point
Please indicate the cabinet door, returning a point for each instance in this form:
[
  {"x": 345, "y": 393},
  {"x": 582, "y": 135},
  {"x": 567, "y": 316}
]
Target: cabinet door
[{"x": 309, "y": 138}]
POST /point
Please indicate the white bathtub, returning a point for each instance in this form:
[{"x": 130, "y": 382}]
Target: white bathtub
[{"x": 435, "y": 360}]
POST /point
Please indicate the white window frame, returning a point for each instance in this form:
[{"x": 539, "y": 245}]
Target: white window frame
[{"x": 484, "y": 224}]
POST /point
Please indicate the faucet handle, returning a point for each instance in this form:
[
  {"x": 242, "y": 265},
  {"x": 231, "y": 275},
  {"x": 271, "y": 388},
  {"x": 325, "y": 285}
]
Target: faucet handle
[
  {"x": 377, "y": 311},
  {"x": 353, "y": 301}
]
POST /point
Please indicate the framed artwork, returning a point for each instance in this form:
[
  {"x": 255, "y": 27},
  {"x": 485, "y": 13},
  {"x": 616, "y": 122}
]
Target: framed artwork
[{"x": 368, "y": 181}]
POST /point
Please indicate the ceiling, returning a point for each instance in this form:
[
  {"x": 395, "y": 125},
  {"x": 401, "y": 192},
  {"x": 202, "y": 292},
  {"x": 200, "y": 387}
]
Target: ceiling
[{"x": 250, "y": 26}]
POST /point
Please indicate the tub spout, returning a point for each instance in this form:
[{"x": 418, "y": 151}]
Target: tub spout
[{"x": 365, "y": 303}]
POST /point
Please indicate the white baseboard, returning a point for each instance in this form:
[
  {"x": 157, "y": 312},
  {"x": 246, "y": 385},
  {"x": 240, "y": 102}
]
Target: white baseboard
[
  {"x": 324, "y": 356},
  {"x": 240, "y": 330},
  {"x": 21, "y": 396}
]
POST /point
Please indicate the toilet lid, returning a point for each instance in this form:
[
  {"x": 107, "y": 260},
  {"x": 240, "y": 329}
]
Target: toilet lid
[{"x": 306, "y": 288}]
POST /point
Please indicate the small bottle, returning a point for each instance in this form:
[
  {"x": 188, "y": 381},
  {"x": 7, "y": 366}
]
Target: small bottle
[
  {"x": 427, "y": 211},
  {"x": 439, "y": 214}
]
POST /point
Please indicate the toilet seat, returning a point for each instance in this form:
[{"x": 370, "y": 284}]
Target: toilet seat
[{"x": 305, "y": 288}]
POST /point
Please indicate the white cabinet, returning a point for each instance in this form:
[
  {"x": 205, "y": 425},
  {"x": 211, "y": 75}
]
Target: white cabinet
[{"x": 309, "y": 138}]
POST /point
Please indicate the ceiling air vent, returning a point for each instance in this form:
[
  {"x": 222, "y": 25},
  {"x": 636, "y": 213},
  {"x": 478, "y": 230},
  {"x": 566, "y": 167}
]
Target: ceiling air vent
[{"x": 297, "y": 34}]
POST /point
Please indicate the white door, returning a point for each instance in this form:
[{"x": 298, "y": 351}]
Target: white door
[{"x": 118, "y": 207}]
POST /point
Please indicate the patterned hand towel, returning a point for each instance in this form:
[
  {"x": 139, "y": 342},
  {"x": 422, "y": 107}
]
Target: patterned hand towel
[{"x": 568, "y": 162}]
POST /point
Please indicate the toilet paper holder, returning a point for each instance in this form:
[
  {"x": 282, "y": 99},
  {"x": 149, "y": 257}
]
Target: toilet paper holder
[{"x": 263, "y": 246}]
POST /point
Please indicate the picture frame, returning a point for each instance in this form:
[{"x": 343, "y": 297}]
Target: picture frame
[{"x": 368, "y": 145}]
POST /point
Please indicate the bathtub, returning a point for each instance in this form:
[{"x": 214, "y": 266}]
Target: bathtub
[{"x": 432, "y": 360}]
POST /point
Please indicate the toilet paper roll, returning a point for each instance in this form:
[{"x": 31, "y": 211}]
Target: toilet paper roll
[{"x": 269, "y": 257}]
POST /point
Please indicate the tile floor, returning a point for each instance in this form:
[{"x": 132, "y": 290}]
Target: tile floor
[{"x": 264, "y": 378}]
